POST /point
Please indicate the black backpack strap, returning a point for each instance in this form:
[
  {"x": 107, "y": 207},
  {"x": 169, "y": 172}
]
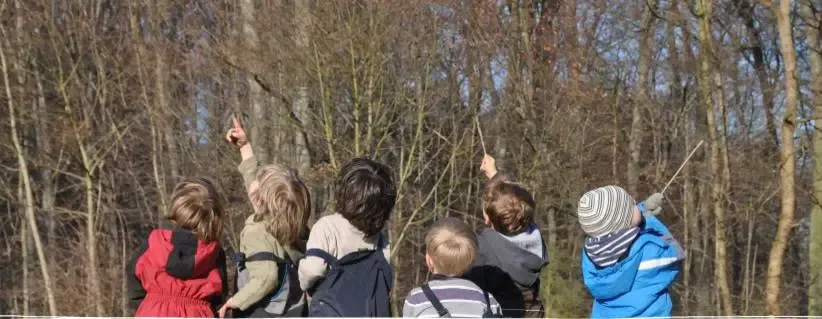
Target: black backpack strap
[
  {"x": 489, "y": 313},
  {"x": 441, "y": 311},
  {"x": 239, "y": 258},
  {"x": 267, "y": 256},
  {"x": 331, "y": 260},
  {"x": 381, "y": 242}
]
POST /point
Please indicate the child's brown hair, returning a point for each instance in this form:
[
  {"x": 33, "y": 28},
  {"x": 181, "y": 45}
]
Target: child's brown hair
[
  {"x": 451, "y": 245},
  {"x": 283, "y": 201},
  {"x": 365, "y": 194},
  {"x": 196, "y": 205},
  {"x": 509, "y": 206}
]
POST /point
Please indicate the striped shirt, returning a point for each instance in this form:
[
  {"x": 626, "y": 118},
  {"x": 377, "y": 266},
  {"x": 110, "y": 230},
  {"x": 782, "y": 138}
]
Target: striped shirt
[{"x": 462, "y": 299}]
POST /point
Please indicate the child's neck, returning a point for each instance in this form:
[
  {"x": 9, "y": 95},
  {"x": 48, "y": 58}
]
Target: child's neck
[{"x": 435, "y": 275}]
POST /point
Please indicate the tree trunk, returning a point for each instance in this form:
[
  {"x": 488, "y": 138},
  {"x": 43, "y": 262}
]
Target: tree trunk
[
  {"x": 48, "y": 196},
  {"x": 303, "y": 17},
  {"x": 704, "y": 9},
  {"x": 746, "y": 12},
  {"x": 259, "y": 111},
  {"x": 28, "y": 203},
  {"x": 787, "y": 171},
  {"x": 645, "y": 56},
  {"x": 164, "y": 111},
  {"x": 815, "y": 254},
  {"x": 679, "y": 94},
  {"x": 91, "y": 237},
  {"x": 616, "y": 132},
  {"x": 24, "y": 251}
]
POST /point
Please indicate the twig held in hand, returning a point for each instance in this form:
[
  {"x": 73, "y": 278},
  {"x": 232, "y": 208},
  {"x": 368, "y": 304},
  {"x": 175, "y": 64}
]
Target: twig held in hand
[
  {"x": 482, "y": 141},
  {"x": 682, "y": 166}
]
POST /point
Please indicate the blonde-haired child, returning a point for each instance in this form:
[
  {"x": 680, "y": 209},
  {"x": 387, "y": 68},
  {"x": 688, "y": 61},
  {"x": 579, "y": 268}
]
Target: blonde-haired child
[
  {"x": 271, "y": 238},
  {"x": 450, "y": 249},
  {"x": 180, "y": 272}
]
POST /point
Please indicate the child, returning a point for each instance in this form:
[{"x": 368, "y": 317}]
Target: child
[
  {"x": 511, "y": 251},
  {"x": 450, "y": 248},
  {"x": 180, "y": 272},
  {"x": 365, "y": 195},
  {"x": 630, "y": 258},
  {"x": 269, "y": 240}
]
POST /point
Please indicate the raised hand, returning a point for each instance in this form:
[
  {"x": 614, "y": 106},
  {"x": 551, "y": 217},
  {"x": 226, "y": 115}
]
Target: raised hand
[
  {"x": 489, "y": 166},
  {"x": 236, "y": 134},
  {"x": 654, "y": 203}
]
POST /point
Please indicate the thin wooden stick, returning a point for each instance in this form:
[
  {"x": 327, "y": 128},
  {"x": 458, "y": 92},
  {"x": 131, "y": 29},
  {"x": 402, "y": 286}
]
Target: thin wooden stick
[
  {"x": 482, "y": 141},
  {"x": 682, "y": 166}
]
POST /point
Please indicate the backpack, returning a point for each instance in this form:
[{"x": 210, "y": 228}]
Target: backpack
[
  {"x": 285, "y": 301},
  {"x": 444, "y": 313},
  {"x": 356, "y": 285}
]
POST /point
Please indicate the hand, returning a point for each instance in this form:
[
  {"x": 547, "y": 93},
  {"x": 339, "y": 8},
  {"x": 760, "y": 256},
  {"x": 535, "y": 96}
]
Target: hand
[
  {"x": 654, "y": 203},
  {"x": 488, "y": 166},
  {"x": 225, "y": 307},
  {"x": 236, "y": 134}
]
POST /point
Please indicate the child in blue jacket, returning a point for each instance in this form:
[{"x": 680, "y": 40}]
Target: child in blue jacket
[{"x": 630, "y": 258}]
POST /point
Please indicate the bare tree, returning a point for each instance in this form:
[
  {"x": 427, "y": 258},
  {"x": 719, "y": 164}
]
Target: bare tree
[
  {"x": 645, "y": 56},
  {"x": 787, "y": 162},
  {"x": 28, "y": 204},
  {"x": 704, "y": 12},
  {"x": 812, "y": 25},
  {"x": 303, "y": 21}
]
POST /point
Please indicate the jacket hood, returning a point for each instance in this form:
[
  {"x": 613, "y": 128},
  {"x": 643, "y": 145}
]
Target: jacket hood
[
  {"x": 181, "y": 254},
  {"x": 522, "y": 265}
]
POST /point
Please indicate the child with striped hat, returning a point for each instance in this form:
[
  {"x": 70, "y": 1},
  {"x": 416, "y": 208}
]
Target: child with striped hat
[{"x": 630, "y": 258}]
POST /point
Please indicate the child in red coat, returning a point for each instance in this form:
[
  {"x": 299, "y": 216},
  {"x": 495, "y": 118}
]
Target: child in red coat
[{"x": 180, "y": 272}]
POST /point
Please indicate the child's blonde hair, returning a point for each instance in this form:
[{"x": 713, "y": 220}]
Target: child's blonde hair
[
  {"x": 196, "y": 206},
  {"x": 451, "y": 245},
  {"x": 283, "y": 202}
]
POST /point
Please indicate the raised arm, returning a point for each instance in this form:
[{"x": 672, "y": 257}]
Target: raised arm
[
  {"x": 489, "y": 168},
  {"x": 248, "y": 168}
]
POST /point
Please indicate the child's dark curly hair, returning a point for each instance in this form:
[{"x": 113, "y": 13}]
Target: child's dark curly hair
[{"x": 365, "y": 194}]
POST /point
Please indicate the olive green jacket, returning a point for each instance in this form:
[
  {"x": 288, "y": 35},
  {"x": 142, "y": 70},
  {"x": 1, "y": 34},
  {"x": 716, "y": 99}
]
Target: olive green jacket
[{"x": 263, "y": 275}]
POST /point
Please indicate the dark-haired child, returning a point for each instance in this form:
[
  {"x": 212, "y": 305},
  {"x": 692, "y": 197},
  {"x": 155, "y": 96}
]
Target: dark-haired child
[{"x": 365, "y": 195}]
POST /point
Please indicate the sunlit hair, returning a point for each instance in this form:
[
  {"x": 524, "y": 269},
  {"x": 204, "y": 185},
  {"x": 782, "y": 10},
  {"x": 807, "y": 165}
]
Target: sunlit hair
[
  {"x": 509, "y": 206},
  {"x": 451, "y": 244},
  {"x": 196, "y": 206},
  {"x": 282, "y": 202}
]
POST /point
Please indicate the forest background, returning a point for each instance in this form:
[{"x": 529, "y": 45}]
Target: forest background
[{"x": 107, "y": 104}]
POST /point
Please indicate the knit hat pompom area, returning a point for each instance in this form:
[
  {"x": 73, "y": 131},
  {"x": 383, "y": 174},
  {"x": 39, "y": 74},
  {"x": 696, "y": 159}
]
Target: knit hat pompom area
[{"x": 605, "y": 210}]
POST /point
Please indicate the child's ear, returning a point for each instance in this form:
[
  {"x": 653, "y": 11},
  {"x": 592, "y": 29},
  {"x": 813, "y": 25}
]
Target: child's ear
[{"x": 429, "y": 263}]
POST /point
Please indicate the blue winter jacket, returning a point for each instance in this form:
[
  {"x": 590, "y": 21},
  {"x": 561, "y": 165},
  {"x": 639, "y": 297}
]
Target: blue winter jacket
[{"x": 637, "y": 286}]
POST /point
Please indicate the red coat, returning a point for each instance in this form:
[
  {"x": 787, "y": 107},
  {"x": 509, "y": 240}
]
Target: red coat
[{"x": 173, "y": 274}]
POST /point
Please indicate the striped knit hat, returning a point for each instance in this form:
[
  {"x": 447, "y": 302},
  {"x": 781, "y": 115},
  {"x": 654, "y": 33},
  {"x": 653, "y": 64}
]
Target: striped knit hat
[{"x": 605, "y": 210}]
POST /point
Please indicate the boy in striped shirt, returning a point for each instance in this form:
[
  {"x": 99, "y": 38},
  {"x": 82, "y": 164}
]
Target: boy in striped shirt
[{"x": 450, "y": 249}]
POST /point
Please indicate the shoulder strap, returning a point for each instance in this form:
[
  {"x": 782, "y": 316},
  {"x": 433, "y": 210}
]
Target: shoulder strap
[
  {"x": 267, "y": 256},
  {"x": 489, "y": 313},
  {"x": 331, "y": 260},
  {"x": 441, "y": 311},
  {"x": 381, "y": 242}
]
